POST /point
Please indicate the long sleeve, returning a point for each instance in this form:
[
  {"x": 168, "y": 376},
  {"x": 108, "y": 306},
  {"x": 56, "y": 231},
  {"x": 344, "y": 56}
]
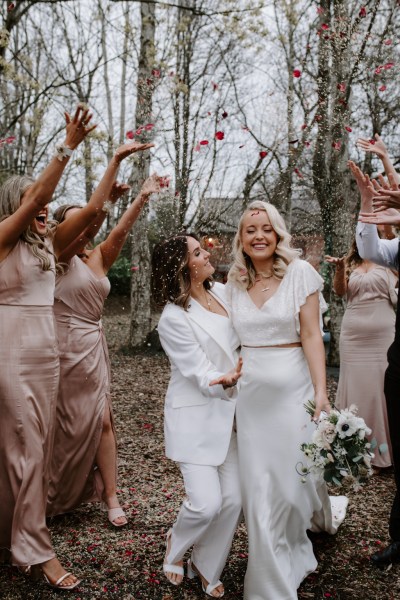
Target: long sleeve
[
  {"x": 186, "y": 354},
  {"x": 371, "y": 247}
]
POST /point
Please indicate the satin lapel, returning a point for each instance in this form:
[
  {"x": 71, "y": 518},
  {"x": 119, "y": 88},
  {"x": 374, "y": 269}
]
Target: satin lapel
[{"x": 197, "y": 314}]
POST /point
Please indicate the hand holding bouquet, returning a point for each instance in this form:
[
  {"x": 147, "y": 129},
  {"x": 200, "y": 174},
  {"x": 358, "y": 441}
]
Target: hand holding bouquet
[{"x": 340, "y": 451}]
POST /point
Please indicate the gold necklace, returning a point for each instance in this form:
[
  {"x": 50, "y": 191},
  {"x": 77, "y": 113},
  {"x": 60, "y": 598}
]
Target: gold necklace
[
  {"x": 261, "y": 276},
  {"x": 208, "y": 301}
]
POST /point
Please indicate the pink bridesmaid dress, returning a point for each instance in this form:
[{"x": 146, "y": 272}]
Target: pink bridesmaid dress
[
  {"x": 366, "y": 334},
  {"x": 84, "y": 387},
  {"x": 29, "y": 374}
]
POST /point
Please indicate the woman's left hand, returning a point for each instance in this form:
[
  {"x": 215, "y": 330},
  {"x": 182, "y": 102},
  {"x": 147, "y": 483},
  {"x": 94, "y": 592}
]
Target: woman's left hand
[
  {"x": 322, "y": 404},
  {"x": 130, "y": 148},
  {"x": 154, "y": 185},
  {"x": 230, "y": 379}
]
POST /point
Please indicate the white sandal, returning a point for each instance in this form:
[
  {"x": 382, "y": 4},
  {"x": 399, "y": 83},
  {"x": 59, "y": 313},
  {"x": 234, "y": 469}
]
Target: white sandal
[
  {"x": 175, "y": 569},
  {"x": 192, "y": 572},
  {"x": 113, "y": 514}
]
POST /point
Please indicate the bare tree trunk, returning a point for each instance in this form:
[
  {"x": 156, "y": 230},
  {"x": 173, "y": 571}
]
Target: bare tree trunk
[{"x": 140, "y": 325}]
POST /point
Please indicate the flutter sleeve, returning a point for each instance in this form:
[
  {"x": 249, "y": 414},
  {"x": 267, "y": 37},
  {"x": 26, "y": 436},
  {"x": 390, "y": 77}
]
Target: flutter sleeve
[{"x": 306, "y": 281}]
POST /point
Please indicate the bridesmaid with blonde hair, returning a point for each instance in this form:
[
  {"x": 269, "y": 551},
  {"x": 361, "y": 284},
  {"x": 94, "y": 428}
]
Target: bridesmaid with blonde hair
[
  {"x": 29, "y": 365},
  {"x": 84, "y": 461}
]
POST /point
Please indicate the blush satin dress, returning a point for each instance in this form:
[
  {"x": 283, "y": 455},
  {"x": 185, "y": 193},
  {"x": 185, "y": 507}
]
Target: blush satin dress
[{"x": 29, "y": 374}]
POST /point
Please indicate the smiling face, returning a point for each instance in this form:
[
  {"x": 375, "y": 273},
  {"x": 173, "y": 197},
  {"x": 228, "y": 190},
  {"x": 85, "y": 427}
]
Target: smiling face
[
  {"x": 199, "y": 264},
  {"x": 259, "y": 239}
]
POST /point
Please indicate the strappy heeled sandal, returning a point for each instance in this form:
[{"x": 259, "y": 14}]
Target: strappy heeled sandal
[
  {"x": 167, "y": 568},
  {"x": 193, "y": 572},
  {"x": 39, "y": 575}
]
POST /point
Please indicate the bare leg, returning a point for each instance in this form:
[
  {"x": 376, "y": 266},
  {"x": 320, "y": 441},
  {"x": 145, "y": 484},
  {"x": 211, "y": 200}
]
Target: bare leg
[{"x": 106, "y": 461}]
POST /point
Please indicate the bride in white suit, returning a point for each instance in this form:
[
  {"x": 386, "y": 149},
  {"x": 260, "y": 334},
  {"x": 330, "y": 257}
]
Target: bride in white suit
[{"x": 196, "y": 333}]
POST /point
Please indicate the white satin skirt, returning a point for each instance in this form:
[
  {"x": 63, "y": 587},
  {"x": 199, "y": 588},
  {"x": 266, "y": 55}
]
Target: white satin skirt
[{"x": 272, "y": 423}]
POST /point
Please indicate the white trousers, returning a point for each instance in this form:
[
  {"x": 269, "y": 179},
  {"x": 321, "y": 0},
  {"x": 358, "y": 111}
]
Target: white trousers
[{"x": 209, "y": 515}]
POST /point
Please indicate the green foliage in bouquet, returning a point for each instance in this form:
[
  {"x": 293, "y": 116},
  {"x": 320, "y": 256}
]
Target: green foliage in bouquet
[{"x": 339, "y": 451}]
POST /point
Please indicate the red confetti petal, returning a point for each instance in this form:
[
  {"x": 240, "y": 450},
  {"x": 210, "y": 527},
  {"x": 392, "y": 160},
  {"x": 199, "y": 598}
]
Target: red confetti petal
[
  {"x": 10, "y": 139},
  {"x": 388, "y": 65},
  {"x": 304, "y": 126},
  {"x": 349, "y": 129},
  {"x": 149, "y": 126},
  {"x": 388, "y": 42},
  {"x": 11, "y": 7},
  {"x": 320, "y": 10},
  {"x": 134, "y": 268},
  {"x": 296, "y": 170},
  {"x": 156, "y": 73},
  {"x": 219, "y": 135},
  {"x": 324, "y": 26},
  {"x": 341, "y": 87},
  {"x": 307, "y": 144},
  {"x": 336, "y": 145},
  {"x": 372, "y": 141},
  {"x": 263, "y": 154},
  {"x": 378, "y": 70},
  {"x": 215, "y": 85},
  {"x": 363, "y": 12},
  {"x": 382, "y": 88},
  {"x": 297, "y": 73},
  {"x": 130, "y": 135},
  {"x": 204, "y": 143},
  {"x": 224, "y": 114},
  {"x": 318, "y": 118}
]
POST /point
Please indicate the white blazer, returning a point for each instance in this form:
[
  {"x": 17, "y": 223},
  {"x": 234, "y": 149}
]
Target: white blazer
[{"x": 198, "y": 418}]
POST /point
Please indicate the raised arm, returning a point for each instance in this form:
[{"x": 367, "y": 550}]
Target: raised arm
[
  {"x": 73, "y": 227},
  {"x": 378, "y": 147},
  {"x": 112, "y": 246},
  {"x": 339, "y": 280},
  {"x": 117, "y": 191},
  {"x": 40, "y": 193}
]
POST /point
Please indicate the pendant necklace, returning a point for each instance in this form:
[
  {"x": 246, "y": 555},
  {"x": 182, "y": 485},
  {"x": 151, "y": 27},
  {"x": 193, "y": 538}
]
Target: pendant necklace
[
  {"x": 260, "y": 277},
  {"x": 208, "y": 301}
]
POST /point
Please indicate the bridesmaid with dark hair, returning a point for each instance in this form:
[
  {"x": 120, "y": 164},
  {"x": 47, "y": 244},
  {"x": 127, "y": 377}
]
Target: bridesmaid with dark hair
[
  {"x": 29, "y": 365},
  {"x": 84, "y": 460}
]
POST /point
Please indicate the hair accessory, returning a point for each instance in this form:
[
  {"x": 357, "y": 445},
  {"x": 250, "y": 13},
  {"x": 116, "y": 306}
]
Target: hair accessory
[{"x": 62, "y": 151}]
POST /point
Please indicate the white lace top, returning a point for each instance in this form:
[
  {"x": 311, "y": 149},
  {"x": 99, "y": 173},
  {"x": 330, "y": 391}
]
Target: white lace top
[{"x": 277, "y": 321}]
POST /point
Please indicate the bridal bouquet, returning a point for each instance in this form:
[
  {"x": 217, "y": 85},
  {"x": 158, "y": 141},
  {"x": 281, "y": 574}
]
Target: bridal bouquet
[{"x": 339, "y": 450}]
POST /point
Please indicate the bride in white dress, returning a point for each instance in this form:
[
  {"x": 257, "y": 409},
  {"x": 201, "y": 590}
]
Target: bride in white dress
[{"x": 275, "y": 299}]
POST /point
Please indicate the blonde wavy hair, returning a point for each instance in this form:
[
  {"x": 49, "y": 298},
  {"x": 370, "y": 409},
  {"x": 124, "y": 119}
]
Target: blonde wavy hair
[
  {"x": 11, "y": 192},
  {"x": 242, "y": 272}
]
